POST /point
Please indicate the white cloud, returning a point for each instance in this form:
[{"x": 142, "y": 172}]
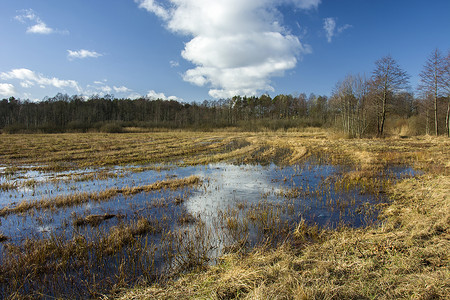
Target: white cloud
[
  {"x": 35, "y": 24},
  {"x": 329, "y": 25},
  {"x": 101, "y": 88},
  {"x": 237, "y": 46},
  {"x": 7, "y": 90},
  {"x": 306, "y": 4},
  {"x": 83, "y": 53},
  {"x": 134, "y": 96},
  {"x": 174, "y": 64},
  {"x": 41, "y": 28},
  {"x": 29, "y": 78},
  {"x": 27, "y": 14},
  {"x": 106, "y": 89},
  {"x": 152, "y": 95},
  {"x": 154, "y": 7},
  {"x": 343, "y": 28},
  {"x": 26, "y": 84},
  {"x": 121, "y": 89}
]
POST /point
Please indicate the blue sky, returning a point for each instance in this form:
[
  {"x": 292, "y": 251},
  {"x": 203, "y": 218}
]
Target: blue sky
[{"x": 192, "y": 50}]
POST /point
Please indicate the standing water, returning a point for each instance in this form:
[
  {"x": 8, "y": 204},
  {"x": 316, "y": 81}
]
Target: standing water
[{"x": 89, "y": 247}]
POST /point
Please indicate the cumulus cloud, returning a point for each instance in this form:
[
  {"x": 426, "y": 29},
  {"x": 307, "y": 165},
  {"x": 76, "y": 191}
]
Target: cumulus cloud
[
  {"x": 29, "y": 78},
  {"x": 83, "y": 53},
  {"x": 152, "y": 95},
  {"x": 40, "y": 28},
  {"x": 236, "y": 46},
  {"x": 35, "y": 24},
  {"x": 7, "y": 90},
  {"x": 329, "y": 25}
]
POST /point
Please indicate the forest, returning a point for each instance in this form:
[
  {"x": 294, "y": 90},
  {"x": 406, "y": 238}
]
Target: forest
[{"x": 383, "y": 103}]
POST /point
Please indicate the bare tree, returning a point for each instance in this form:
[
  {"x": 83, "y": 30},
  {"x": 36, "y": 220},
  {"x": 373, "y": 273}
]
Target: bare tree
[
  {"x": 446, "y": 84},
  {"x": 349, "y": 98},
  {"x": 388, "y": 78},
  {"x": 432, "y": 82}
]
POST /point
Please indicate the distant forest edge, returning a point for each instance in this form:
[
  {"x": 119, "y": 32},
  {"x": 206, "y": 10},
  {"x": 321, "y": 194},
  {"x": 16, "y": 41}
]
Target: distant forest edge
[
  {"x": 359, "y": 106},
  {"x": 73, "y": 114}
]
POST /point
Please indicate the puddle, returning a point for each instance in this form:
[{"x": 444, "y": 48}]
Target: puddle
[{"x": 233, "y": 202}]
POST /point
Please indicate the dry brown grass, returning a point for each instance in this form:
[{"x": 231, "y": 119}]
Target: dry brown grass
[
  {"x": 37, "y": 267},
  {"x": 403, "y": 257},
  {"x": 70, "y": 151},
  {"x": 406, "y": 257},
  {"x": 92, "y": 220},
  {"x": 3, "y": 237},
  {"x": 6, "y": 186},
  {"x": 122, "y": 235}
]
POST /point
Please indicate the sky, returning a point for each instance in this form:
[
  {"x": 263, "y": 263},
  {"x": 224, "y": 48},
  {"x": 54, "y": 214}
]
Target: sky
[{"x": 195, "y": 50}]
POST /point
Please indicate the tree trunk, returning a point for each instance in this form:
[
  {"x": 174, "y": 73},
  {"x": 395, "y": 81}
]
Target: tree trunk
[
  {"x": 447, "y": 118},
  {"x": 383, "y": 114},
  {"x": 436, "y": 114}
]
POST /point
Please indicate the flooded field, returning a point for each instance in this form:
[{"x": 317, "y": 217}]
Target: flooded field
[
  {"x": 113, "y": 225},
  {"x": 86, "y": 215}
]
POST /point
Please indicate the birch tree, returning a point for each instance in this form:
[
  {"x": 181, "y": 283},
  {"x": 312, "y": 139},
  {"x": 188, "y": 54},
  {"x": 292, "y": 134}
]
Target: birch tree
[
  {"x": 388, "y": 79},
  {"x": 350, "y": 97},
  {"x": 432, "y": 82},
  {"x": 447, "y": 90}
]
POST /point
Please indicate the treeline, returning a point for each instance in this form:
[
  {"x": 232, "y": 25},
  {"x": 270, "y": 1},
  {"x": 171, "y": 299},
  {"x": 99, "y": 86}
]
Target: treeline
[
  {"x": 64, "y": 113},
  {"x": 359, "y": 106},
  {"x": 74, "y": 114}
]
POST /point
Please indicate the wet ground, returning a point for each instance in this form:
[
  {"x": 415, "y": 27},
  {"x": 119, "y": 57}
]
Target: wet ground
[{"x": 233, "y": 202}]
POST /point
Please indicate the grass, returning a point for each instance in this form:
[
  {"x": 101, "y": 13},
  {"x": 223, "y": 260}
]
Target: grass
[
  {"x": 6, "y": 186},
  {"x": 71, "y": 151},
  {"x": 77, "y": 266},
  {"x": 3, "y": 237},
  {"x": 92, "y": 220},
  {"x": 404, "y": 256}
]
